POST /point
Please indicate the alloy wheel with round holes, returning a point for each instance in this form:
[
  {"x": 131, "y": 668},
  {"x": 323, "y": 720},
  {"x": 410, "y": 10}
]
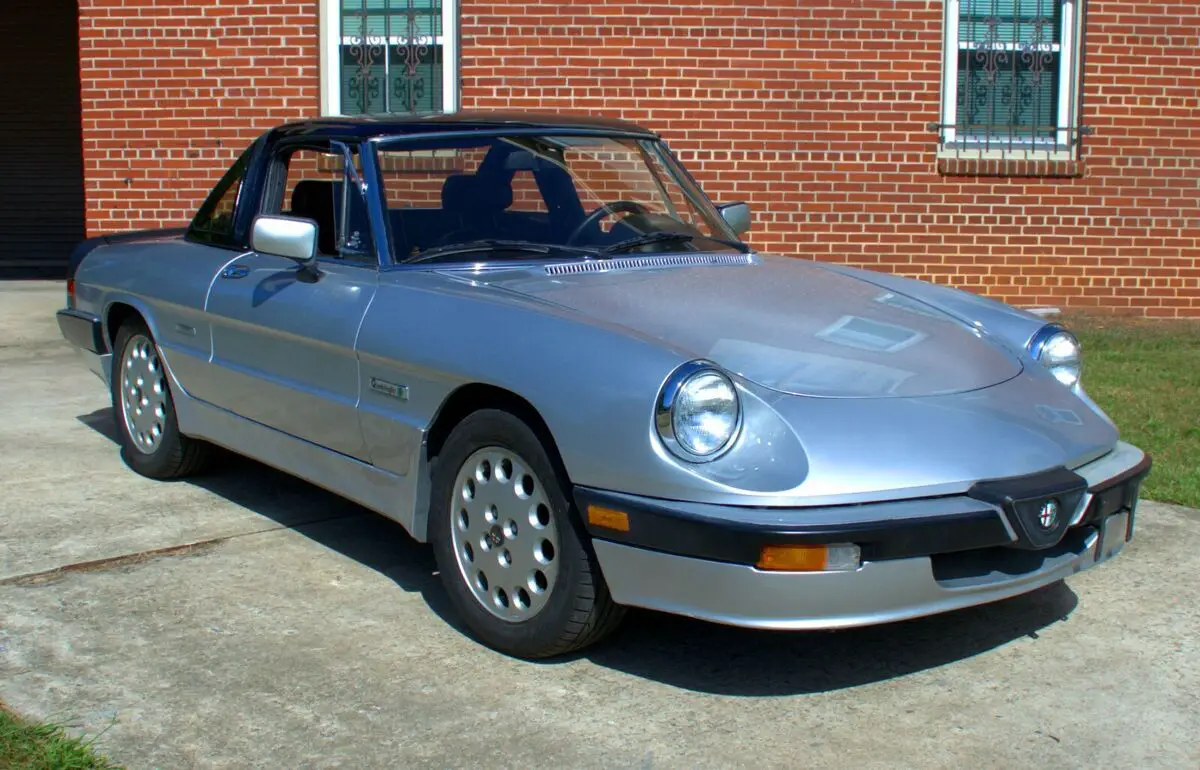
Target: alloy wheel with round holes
[
  {"x": 512, "y": 555},
  {"x": 143, "y": 393},
  {"x": 144, "y": 410},
  {"x": 505, "y": 540}
]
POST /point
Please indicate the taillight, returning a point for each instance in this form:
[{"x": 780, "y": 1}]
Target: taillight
[{"x": 70, "y": 292}]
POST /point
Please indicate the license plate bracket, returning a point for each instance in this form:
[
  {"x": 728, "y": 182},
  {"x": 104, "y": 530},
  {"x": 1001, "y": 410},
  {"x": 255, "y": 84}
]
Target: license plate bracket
[{"x": 1114, "y": 533}]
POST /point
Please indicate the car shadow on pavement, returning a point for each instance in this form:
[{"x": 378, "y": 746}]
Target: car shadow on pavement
[
  {"x": 332, "y": 521},
  {"x": 722, "y": 660},
  {"x": 676, "y": 651}
]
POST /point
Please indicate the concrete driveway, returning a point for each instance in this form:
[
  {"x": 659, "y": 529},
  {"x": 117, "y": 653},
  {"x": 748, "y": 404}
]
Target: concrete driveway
[{"x": 250, "y": 619}]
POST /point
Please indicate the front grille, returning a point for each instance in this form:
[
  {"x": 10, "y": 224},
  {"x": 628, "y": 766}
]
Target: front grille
[
  {"x": 1002, "y": 562},
  {"x": 998, "y": 563}
]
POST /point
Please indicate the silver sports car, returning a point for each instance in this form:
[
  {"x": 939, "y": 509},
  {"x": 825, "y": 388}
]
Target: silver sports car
[{"x": 535, "y": 343}]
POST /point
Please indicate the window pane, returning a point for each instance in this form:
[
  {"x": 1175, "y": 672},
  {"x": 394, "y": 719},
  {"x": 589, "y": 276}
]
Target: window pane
[
  {"x": 315, "y": 188},
  {"x": 415, "y": 79},
  {"x": 525, "y": 193},
  {"x": 214, "y": 222},
  {"x": 1010, "y": 21},
  {"x": 1008, "y": 69},
  {"x": 1005, "y": 99},
  {"x": 219, "y": 219},
  {"x": 391, "y": 56},
  {"x": 558, "y": 191}
]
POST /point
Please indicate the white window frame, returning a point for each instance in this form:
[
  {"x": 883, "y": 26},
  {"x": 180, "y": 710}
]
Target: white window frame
[
  {"x": 1069, "y": 80},
  {"x": 331, "y": 75}
]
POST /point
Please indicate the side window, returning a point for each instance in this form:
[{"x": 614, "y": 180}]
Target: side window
[
  {"x": 214, "y": 221},
  {"x": 315, "y": 187}
]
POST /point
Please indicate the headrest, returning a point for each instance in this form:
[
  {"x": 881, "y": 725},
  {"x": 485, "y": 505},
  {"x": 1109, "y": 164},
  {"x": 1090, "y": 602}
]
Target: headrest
[
  {"x": 313, "y": 195},
  {"x": 470, "y": 193}
]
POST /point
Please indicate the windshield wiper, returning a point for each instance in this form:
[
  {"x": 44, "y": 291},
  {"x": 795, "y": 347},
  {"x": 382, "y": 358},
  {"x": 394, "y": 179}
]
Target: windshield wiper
[
  {"x": 487, "y": 244},
  {"x": 494, "y": 244},
  {"x": 664, "y": 237}
]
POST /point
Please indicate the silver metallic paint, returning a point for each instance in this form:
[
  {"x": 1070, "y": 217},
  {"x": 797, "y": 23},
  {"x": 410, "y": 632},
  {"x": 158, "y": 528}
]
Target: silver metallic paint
[
  {"x": 283, "y": 348},
  {"x": 776, "y": 323},
  {"x": 590, "y": 352},
  {"x": 435, "y": 330},
  {"x": 866, "y": 396},
  {"x": 877, "y": 592}
]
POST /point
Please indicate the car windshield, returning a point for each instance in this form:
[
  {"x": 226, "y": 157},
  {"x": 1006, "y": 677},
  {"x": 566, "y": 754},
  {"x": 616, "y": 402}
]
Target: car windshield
[{"x": 530, "y": 197}]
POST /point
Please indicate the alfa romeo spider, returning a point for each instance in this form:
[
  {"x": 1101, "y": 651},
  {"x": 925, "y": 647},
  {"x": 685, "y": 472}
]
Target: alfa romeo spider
[{"x": 537, "y": 344}]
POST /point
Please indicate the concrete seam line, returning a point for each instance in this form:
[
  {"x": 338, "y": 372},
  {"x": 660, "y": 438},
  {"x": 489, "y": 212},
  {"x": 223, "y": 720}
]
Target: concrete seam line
[
  {"x": 139, "y": 557},
  {"x": 111, "y": 562}
]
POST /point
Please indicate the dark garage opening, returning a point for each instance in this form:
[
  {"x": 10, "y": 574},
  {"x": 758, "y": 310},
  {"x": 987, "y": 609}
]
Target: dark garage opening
[{"x": 41, "y": 147}]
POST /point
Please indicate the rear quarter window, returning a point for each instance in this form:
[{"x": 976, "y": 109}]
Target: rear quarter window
[{"x": 214, "y": 221}]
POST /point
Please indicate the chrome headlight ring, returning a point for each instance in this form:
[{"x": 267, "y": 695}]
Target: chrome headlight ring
[
  {"x": 698, "y": 414},
  {"x": 1057, "y": 349}
]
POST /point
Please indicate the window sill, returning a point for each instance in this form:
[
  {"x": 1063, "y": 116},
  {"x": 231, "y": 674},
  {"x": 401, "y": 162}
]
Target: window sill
[{"x": 1008, "y": 163}]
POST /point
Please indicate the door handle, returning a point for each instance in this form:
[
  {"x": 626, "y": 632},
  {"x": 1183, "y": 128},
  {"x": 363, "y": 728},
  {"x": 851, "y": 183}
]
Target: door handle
[{"x": 235, "y": 271}]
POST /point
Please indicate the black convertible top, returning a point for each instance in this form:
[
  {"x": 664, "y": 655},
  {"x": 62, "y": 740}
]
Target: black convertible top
[{"x": 368, "y": 127}]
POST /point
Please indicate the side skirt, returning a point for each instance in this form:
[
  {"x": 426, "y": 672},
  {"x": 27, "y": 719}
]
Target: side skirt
[{"x": 388, "y": 494}]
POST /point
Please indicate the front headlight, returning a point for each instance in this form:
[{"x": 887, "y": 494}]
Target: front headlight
[
  {"x": 1059, "y": 351},
  {"x": 698, "y": 413}
]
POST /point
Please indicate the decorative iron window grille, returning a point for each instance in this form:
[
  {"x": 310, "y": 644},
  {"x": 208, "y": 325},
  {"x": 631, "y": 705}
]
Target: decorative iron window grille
[
  {"x": 390, "y": 56},
  {"x": 1011, "y": 76}
]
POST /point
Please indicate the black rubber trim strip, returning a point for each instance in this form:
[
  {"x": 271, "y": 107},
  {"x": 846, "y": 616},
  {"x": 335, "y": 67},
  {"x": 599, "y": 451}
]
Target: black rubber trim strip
[
  {"x": 1141, "y": 470},
  {"x": 1034, "y": 486},
  {"x": 83, "y": 330},
  {"x": 1116, "y": 494},
  {"x": 670, "y": 527},
  {"x": 1023, "y": 497}
]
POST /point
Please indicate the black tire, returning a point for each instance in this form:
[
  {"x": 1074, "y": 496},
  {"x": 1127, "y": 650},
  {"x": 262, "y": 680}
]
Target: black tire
[
  {"x": 175, "y": 455},
  {"x": 579, "y": 611}
]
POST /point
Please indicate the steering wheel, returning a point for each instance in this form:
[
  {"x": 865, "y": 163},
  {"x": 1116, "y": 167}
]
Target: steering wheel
[{"x": 605, "y": 210}]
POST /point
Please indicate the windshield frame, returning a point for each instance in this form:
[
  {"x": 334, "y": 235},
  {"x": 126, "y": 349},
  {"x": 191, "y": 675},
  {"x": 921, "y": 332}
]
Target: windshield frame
[{"x": 649, "y": 143}]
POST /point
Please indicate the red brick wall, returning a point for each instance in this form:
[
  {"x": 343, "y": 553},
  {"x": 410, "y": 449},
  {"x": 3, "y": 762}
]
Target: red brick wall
[
  {"x": 814, "y": 111},
  {"x": 174, "y": 90}
]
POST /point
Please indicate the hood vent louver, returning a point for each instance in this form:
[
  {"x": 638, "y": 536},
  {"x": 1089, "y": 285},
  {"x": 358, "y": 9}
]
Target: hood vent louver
[{"x": 636, "y": 263}]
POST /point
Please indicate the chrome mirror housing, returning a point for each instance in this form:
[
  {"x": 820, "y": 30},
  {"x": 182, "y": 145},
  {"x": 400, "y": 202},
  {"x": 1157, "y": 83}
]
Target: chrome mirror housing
[
  {"x": 291, "y": 237},
  {"x": 736, "y": 215}
]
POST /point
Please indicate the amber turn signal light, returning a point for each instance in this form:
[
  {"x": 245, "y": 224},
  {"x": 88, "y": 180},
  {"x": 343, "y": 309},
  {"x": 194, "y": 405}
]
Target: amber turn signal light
[
  {"x": 608, "y": 518},
  {"x": 809, "y": 558}
]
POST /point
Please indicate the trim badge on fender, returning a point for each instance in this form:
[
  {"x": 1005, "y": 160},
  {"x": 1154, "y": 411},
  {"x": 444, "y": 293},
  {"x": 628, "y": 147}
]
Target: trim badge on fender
[{"x": 389, "y": 388}]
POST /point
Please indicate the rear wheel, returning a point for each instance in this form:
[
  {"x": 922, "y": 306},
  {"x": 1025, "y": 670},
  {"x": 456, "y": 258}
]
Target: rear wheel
[
  {"x": 144, "y": 410},
  {"x": 512, "y": 556}
]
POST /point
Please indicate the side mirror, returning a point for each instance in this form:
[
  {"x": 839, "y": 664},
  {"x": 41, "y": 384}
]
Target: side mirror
[
  {"x": 290, "y": 237},
  {"x": 736, "y": 215}
]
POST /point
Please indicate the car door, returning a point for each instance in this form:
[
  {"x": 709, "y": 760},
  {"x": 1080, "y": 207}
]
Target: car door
[
  {"x": 174, "y": 276},
  {"x": 283, "y": 335}
]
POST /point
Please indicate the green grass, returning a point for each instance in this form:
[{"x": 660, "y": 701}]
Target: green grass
[
  {"x": 43, "y": 747},
  {"x": 1146, "y": 375}
]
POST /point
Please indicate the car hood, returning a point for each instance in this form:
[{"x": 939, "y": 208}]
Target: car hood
[{"x": 785, "y": 323}]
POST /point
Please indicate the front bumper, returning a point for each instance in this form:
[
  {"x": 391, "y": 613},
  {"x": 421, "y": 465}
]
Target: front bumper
[{"x": 919, "y": 557}]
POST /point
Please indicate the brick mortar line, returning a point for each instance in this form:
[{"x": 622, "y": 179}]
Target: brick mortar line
[{"x": 140, "y": 557}]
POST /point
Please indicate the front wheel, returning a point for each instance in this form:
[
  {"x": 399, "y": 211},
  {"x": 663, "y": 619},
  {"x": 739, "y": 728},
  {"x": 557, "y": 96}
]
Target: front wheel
[{"x": 512, "y": 556}]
